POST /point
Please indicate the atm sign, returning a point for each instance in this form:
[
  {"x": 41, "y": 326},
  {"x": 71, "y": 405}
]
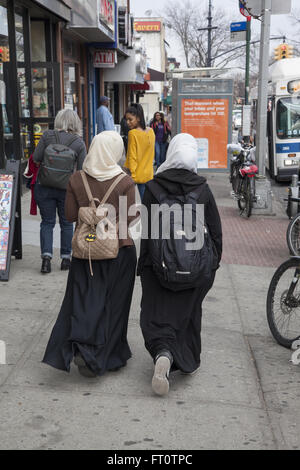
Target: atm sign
[{"x": 147, "y": 26}]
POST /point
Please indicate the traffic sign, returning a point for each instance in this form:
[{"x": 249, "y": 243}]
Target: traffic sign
[
  {"x": 238, "y": 36},
  {"x": 241, "y": 26},
  {"x": 254, "y": 7}
]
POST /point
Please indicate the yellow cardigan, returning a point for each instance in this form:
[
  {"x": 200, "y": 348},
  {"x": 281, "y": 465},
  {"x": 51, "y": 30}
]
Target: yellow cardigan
[{"x": 140, "y": 155}]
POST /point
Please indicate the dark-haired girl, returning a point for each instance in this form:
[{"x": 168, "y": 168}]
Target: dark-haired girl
[
  {"x": 141, "y": 147},
  {"x": 162, "y": 131}
]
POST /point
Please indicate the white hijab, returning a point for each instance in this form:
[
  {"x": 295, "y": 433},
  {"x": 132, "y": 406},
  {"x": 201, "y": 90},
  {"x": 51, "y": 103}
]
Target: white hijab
[
  {"x": 182, "y": 154},
  {"x": 105, "y": 152}
]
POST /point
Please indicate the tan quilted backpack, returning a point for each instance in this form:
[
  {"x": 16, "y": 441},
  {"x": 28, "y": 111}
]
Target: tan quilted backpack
[{"x": 96, "y": 236}]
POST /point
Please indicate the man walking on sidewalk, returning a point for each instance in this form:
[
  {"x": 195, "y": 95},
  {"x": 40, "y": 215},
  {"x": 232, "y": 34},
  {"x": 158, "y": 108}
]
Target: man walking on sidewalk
[{"x": 105, "y": 121}]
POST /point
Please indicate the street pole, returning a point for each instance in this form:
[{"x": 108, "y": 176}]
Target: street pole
[
  {"x": 209, "y": 34},
  {"x": 246, "y": 138},
  {"x": 209, "y": 30},
  {"x": 263, "y": 186},
  {"x": 248, "y": 42},
  {"x": 263, "y": 86}
]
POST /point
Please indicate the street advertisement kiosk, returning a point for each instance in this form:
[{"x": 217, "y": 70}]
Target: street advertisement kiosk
[{"x": 203, "y": 108}]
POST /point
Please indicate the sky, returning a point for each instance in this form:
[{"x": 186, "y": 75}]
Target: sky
[{"x": 279, "y": 23}]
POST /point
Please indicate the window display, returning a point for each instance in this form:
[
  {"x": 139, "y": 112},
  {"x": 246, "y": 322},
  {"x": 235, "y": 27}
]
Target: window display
[{"x": 70, "y": 86}]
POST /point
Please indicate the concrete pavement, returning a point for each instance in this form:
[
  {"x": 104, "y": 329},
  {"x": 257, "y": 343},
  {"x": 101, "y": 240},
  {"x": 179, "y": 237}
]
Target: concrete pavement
[{"x": 244, "y": 397}]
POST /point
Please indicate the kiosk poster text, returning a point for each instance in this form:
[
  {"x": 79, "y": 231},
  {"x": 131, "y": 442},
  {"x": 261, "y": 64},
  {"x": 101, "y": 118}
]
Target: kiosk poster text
[{"x": 207, "y": 120}]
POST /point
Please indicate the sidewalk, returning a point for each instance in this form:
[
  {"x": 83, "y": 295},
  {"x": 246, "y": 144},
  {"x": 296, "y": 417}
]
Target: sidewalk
[{"x": 244, "y": 397}]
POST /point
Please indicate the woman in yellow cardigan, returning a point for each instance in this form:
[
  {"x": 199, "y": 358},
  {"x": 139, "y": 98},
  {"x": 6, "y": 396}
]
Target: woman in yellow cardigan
[{"x": 141, "y": 148}]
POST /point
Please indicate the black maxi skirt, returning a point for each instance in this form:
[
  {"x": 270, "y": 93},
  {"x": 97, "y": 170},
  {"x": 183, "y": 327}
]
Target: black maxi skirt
[
  {"x": 93, "y": 319},
  {"x": 172, "y": 321}
]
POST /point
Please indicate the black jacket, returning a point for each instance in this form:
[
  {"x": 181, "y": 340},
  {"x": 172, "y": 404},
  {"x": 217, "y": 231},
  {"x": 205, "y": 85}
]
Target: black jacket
[{"x": 179, "y": 182}]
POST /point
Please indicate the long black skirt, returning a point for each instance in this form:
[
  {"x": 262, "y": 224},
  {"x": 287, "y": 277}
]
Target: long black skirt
[
  {"x": 172, "y": 321},
  {"x": 93, "y": 319}
]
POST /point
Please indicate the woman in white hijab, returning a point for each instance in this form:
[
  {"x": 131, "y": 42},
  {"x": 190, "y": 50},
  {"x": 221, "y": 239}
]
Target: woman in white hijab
[
  {"x": 92, "y": 323},
  {"x": 171, "y": 320}
]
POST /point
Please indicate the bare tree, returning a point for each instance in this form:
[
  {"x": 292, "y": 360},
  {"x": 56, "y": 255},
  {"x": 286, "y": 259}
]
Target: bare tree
[
  {"x": 186, "y": 18},
  {"x": 179, "y": 17}
]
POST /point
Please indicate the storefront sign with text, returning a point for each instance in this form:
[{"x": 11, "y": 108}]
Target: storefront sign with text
[
  {"x": 107, "y": 13},
  {"x": 105, "y": 59},
  {"x": 147, "y": 26}
]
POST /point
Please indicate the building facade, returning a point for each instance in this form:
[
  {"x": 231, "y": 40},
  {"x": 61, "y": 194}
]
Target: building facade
[
  {"x": 152, "y": 32},
  {"x": 55, "y": 54}
]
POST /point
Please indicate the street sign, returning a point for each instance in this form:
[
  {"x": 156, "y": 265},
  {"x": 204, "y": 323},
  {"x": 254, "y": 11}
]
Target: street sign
[
  {"x": 238, "y": 36},
  {"x": 238, "y": 31},
  {"x": 240, "y": 26},
  {"x": 247, "y": 120},
  {"x": 279, "y": 7}
]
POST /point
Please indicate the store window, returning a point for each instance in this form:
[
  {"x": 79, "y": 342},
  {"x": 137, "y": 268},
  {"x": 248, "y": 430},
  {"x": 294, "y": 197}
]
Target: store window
[
  {"x": 40, "y": 92},
  {"x": 38, "y": 41},
  {"x": 70, "y": 86},
  {"x": 5, "y": 89},
  {"x": 19, "y": 38}
]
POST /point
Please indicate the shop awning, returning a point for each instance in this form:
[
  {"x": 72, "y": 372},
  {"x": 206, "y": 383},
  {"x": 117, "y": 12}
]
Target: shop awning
[
  {"x": 140, "y": 87},
  {"x": 154, "y": 76},
  {"x": 124, "y": 71},
  {"x": 58, "y": 7}
]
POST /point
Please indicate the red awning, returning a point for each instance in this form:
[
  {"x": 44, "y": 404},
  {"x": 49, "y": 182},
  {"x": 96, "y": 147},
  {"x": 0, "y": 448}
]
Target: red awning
[{"x": 137, "y": 87}]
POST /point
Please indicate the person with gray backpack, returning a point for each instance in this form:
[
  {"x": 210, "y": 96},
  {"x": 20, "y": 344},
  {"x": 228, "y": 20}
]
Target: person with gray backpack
[
  {"x": 59, "y": 153},
  {"x": 181, "y": 249}
]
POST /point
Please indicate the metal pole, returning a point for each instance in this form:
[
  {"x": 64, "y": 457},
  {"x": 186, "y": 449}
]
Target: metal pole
[
  {"x": 248, "y": 42},
  {"x": 263, "y": 86},
  {"x": 209, "y": 35}
]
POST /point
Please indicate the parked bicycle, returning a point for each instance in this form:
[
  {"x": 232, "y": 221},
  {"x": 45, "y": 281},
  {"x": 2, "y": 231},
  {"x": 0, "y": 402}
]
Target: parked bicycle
[
  {"x": 283, "y": 303},
  {"x": 242, "y": 176},
  {"x": 293, "y": 230}
]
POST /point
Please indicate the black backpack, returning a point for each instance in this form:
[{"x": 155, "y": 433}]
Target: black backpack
[
  {"x": 177, "y": 267},
  {"x": 58, "y": 164}
]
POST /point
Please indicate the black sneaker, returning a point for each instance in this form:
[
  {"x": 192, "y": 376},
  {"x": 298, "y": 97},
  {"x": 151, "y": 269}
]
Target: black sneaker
[
  {"x": 65, "y": 264},
  {"x": 46, "y": 265}
]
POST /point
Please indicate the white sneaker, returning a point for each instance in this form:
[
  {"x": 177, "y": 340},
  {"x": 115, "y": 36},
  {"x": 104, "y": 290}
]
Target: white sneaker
[
  {"x": 191, "y": 373},
  {"x": 160, "y": 380}
]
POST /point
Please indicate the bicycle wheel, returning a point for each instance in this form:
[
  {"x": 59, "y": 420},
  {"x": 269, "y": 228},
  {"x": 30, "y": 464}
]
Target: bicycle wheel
[
  {"x": 293, "y": 235},
  {"x": 246, "y": 201},
  {"x": 283, "y": 303}
]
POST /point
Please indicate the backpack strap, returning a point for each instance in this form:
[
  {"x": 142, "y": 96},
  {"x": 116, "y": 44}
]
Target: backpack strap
[
  {"x": 112, "y": 187},
  {"x": 108, "y": 193},
  {"x": 56, "y": 133},
  {"x": 74, "y": 137},
  {"x": 87, "y": 188}
]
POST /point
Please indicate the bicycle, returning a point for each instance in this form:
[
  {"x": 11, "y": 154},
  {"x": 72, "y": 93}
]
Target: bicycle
[
  {"x": 242, "y": 176},
  {"x": 283, "y": 303},
  {"x": 293, "y": 230}
]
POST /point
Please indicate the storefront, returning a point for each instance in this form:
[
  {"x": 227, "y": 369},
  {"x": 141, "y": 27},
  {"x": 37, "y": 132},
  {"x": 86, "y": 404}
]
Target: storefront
[
  {"x": 94, "y": 26},
  {"x": 29, "y": 72},
  {"x": 74, "y": 78}
]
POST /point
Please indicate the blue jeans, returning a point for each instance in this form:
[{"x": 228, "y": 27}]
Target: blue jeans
[
  {"x": 50, "y": 200},
  {"x": 141, "y": 188},
  {"x": 160, "y": 153}
]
